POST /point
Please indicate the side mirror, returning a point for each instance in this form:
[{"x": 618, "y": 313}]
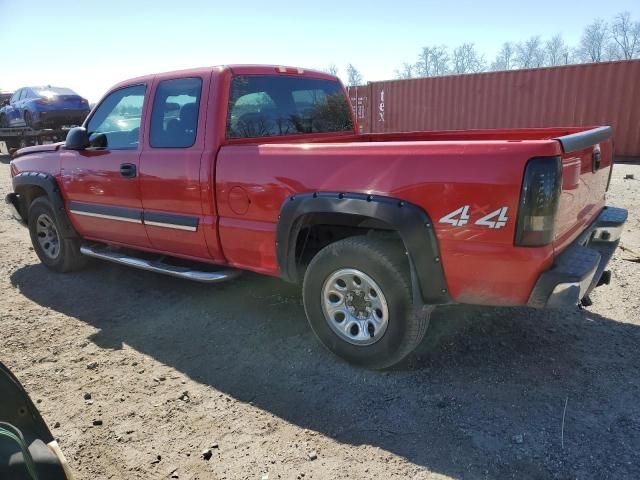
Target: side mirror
[{"x": 77, "y": 139}]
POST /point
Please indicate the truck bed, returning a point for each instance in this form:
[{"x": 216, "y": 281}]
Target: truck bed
[{"x": 438, "y": 171}]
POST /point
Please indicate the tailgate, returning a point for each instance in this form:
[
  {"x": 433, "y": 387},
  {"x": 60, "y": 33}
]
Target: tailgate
[{"x": 587, "y": 160}]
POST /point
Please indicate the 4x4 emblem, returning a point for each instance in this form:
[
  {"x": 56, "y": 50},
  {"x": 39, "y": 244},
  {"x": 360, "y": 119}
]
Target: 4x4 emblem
[{"x": 460, "y": 217}]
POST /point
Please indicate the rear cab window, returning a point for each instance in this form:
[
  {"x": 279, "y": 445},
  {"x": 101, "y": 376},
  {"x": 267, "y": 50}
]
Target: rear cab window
[{"x": 276, "y": 105}]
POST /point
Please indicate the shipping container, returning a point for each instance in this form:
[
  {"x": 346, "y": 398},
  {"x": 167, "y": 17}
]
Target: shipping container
[
  {"x": 606, "y": 93},
  {"x": 359, "y": 103}
]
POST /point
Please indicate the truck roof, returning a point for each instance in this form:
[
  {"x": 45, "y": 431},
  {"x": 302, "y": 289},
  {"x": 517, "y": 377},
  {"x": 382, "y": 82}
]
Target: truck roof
[{"x": 238, "y": 69}]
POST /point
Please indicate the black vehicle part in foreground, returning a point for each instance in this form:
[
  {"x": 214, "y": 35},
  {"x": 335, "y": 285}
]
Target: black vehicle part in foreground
[{"x": 27, "y": 449}]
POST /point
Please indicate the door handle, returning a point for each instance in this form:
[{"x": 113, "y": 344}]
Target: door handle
[{"x": 128, "y": 170}]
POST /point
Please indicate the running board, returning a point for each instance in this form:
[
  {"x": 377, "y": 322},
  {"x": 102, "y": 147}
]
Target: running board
[{"x": 157, "y": 266}]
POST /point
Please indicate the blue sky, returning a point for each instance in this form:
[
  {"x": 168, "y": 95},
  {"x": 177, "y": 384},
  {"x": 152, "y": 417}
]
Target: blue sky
[{"x": 90, "y": 45}]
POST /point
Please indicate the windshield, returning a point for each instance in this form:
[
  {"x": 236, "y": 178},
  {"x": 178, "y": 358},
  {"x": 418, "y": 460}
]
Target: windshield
[
  {"x": 49, "y": 92},
  {"x": 272, "y": 105}
]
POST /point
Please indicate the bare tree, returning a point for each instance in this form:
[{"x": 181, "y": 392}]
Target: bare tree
[
  {"x": 332, "y": 69},
  {"x": 593, "y": 44},
  {"x": 612, "y": 52},
  {"x": 599, "y": 42},
  {"x": 530, "y": 54},
  {"x": 354, "y": 77},
  {"x": 557, "y": 52},
  {"x": 440, "y": 60},
  {"x": 432, "y": 61},
  {"x": 506, "y": 57},
  {"x": 466, "y": 59},
  {"x": 407, "y": 71},
  {"x": 626, "y": 35}
]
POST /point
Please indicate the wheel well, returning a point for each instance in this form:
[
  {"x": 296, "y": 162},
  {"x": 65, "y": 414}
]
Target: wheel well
[
  {"x": 361, "y": 214},
  {"x": 317, "y": 230}
]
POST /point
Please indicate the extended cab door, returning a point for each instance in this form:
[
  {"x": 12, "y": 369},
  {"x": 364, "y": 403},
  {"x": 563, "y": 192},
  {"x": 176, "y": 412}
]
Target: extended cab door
[
  {"x": 174, "y": 177},
  {"x": 102, "y": 183}
]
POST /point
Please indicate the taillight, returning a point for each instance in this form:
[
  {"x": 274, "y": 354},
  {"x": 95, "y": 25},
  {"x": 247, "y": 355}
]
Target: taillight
[{"x": 539, "y": 199}]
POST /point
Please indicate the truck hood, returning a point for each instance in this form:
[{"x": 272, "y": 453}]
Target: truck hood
[{"x": 52, "y": 147}]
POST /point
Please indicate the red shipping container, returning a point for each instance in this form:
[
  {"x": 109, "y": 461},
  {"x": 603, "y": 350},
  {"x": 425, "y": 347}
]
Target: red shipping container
[{"x": 605, "y": 93}]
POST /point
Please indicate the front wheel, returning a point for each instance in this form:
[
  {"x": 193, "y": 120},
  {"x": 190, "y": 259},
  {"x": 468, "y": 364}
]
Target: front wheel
[
  {"x": 357, "y": 296},
  {"x": 55, "y": 251}
]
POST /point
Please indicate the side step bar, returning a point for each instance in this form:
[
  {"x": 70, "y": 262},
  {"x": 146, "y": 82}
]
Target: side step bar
[{"x": 157, "y": 266}]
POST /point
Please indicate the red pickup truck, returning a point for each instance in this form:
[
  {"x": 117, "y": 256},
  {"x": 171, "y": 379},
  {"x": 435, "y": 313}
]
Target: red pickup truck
[{"x": 207, "y": 172}]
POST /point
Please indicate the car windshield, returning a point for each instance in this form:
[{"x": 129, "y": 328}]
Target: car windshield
[{"x": 49, "y": 92}]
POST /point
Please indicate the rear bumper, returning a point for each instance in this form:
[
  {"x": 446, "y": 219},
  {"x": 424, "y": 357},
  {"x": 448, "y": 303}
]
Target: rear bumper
[
  {"x": 577, "y": 270},
  {"x": 61, "y": 117}
]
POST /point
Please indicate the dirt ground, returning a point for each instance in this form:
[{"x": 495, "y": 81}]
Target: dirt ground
[{"x": 174, "y": 368}]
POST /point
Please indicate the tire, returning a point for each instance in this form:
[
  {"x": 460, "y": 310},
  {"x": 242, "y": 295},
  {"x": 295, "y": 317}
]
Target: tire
[
  {"x": 54, "y": 251},
  {"x": 393, "y": 325},
  {"x": 28, "y": 119}
]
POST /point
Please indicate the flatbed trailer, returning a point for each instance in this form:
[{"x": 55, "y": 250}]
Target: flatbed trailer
[{"x": 20, "y": 137}]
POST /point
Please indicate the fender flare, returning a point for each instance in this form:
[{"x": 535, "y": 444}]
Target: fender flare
[
  {"x": 47, "y": 183},
  {"x": 410, "y": 221}
]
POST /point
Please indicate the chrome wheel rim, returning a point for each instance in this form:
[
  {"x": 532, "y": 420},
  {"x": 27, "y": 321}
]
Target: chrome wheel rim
[
  {"x": 47, "y": 235},
  {"x": 355, "y": 307}
]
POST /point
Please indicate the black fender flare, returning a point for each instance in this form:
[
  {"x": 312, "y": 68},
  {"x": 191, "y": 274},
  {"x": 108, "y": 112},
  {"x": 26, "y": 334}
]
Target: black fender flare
[
  {"x": 410, "y": 221},
  {"x": 47, "y": 183}
]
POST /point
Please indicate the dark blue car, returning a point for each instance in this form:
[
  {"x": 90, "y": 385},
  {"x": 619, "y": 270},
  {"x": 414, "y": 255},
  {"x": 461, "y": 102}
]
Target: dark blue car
[{"x": 43, "y": 107}]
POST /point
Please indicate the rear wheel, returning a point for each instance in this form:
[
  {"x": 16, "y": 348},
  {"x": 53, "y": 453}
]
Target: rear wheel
[
  {"x": 28, "y": 119},
  {"x": 56, "y": 252},
  {"x": 357, "y": 296}
]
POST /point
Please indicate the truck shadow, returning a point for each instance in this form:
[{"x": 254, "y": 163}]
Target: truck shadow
[{"x": 483, "y": 396}]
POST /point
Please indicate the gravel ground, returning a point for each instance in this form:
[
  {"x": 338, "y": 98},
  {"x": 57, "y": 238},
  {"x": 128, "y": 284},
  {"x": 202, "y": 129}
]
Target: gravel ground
[{"x": 175, "y": 368}]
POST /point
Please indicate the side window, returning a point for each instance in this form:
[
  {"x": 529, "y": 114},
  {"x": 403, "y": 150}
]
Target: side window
[
  {"x": 174, "y": 118},
  {"x": 115, "y": 125}
]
